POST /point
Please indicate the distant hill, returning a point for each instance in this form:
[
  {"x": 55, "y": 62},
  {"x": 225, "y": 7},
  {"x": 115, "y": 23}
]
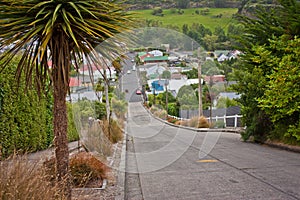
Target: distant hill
[
  {"x": 249, "y": 6},
  {"x": 189, "y": 16},
  {"x": 165, "y": 4}
]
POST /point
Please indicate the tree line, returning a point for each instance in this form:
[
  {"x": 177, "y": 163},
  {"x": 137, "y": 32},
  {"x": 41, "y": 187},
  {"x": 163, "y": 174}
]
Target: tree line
[{"x": 269, "y": 73}]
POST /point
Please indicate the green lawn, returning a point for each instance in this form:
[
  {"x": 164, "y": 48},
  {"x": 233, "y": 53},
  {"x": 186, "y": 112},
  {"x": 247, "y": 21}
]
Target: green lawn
[{"x": 189, "y": 17}]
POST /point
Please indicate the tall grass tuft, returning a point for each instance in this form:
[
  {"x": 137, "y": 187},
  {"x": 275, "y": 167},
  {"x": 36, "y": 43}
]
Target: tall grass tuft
[
  {"x": 87, "y": 170},
  {"x": 197, "y": 122},
  {"x": 113, "y": 131},
  {"x": 22, "y": 179}
]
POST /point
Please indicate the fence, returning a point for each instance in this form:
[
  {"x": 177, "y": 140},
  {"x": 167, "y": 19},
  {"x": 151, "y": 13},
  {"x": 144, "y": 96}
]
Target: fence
[{"x": 236, "y": 120}]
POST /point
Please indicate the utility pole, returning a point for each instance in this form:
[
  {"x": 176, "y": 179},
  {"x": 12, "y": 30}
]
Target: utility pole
[
  {"x": 166, "y": 84},
  {"x": 200, "y": 110}
]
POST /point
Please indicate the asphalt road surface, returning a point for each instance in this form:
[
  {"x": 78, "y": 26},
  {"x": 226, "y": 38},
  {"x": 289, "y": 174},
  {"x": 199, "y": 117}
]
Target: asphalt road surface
[
  {"x": 129, "y": 81},
  {"x": 166, "y": 162}
]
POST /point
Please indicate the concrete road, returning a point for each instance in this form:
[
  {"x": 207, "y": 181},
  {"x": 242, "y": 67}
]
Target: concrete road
[
  {"x": 129, "y": 81},
  {"x": 166, "y": 162}
]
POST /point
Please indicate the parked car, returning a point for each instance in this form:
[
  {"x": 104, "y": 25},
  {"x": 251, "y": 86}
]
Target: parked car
[{"x": 138, "y": 92}]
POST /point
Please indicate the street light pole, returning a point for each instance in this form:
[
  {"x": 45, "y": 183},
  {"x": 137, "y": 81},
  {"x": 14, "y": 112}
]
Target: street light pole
[
  {"x": 200, "y": 110},
  {"x": 166, "y": 84}
]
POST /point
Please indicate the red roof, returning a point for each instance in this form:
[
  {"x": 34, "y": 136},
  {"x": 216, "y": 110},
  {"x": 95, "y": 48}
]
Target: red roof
[
  {"x": 49, "y": 63},
  {"x": 74, "y": 82},
  {"x": 214, "y": 78}
]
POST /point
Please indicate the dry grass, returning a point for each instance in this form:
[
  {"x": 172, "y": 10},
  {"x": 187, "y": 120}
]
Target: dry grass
[
  {"x": 95, "y": 139},
  {"x": 87, "y": 170},
  {"x": 162, "y": 114},
  {"x": 115, "y": 134},
  {"x": 197, "y": 122},
  {"x": 21, "y": 179}
]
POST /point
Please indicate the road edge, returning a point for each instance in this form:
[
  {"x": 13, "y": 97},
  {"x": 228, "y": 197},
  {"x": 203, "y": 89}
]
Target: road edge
[{"x": 282, "y": 146}]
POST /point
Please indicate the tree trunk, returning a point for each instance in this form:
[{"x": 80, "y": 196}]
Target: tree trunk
[{"x": 60, "y": 122}]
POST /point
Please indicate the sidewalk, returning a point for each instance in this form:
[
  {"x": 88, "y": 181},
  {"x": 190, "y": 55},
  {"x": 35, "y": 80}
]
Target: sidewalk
[{"x": 41, "y": 156}]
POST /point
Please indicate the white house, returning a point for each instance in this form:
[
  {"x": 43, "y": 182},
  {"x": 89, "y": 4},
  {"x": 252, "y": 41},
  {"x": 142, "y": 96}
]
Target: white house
[{"x": 156, "y": 53}]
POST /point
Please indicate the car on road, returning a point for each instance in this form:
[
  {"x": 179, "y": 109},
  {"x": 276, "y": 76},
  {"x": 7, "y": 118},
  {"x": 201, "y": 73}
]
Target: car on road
[
  {"x": 138, "y": 92},
  {"x": 128, "y": 72}
]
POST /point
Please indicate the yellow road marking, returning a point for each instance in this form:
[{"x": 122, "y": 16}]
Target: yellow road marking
[{"x": 207, "y": 161}]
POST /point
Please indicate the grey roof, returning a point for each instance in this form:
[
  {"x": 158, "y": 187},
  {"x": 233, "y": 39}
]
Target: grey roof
[{"x": 230, "y": 95}]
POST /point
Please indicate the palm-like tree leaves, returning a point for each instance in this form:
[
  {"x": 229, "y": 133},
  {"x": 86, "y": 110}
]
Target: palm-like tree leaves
[
  {"x": 84, "y": 24},
  {"x": 61, "y": 31}
]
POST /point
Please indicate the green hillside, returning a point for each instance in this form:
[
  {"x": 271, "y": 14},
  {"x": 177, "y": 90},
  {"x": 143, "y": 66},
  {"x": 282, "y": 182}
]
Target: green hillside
[{"x": 215, "y": 17}]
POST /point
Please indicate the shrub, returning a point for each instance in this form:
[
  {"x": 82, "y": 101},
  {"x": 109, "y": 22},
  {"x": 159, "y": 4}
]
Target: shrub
[
  {"x": 193, "y": 122},
  {"x": 22, "y": 179},
  {"x": 95, "y": 139},
  {"x": 172, "y": 120},
  {"x": 162, "y": 114},
  {"x": 87, "y": 170},
  {"x": 197, "y": 122},
  {"x": 153, "y": 109},
  {"x": 219, "y": 124},
  {"x": 203, "y": 123},
  {"x": 157, "y": 12},
  {"x": 182, "y": 123},
  {"x": 114, "y": 132},
  {"x": 179, "y": 122},
  {"x": 72, "y": 131}
]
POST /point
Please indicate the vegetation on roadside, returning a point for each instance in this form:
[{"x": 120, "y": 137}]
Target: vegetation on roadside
[
  {"x": 25, "y": 119},
  {"x": 22, "y": 179},
  {"x": 87, "y": 170},
  {"x": 268, "y": 76}
]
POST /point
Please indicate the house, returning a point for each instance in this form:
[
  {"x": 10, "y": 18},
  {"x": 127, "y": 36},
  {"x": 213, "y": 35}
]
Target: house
[
  {"x": 214, "y": 79},
  {"x": 158, "y": 86},
  {"x": 222, "y": 57},
  {"x": 178, "y": 76},
  {"x": 153, "y": 70},
  {"x": 143, "y": 55},
  {"x": 156, "y": 59},
  {"x": 74, "y": 83},
  {"x": 156, "y": 53},
  {"x": 230, "y": 95},
  {"x": 97, "y": 71},
  {"x": 234, "y": 54}
]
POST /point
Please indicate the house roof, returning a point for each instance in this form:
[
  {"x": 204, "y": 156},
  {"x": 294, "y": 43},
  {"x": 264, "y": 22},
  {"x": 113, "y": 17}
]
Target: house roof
[
  {"x": 141, "y": 53},
  {"x": 156, "y": 58},
  {"x": 155, "y": 70},
  {"x": 176, "y": 76},
  {"x": 74, "y": 82},
  {"x": 156, "y": 53},
  {"x": 230, "y": 95},
  {"x": 219, "y": 52}
]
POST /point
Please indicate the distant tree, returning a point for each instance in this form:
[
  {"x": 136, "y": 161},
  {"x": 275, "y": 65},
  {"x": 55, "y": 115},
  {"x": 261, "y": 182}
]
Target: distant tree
[
  {"x": 183, "y": 4},
  {"x": 219, "y": 31},
  {"x": 166, "y": 74},
  {"x": 220, "y": 3},
  {"x": 210, "y": 42},
  {"x": 185, "y": 28},
  {"x": 254, "y": 72},
  {"x": 157, "y": 12},
  {"x": 173, "y": 10},
  {"x": 225, "y": 102},
  {"x": 193, "y": 73},
  {"x": 281, "y": 99}
]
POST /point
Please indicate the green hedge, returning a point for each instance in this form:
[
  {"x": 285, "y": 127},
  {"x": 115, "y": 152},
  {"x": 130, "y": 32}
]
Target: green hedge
[
  {"x": 25, "y": 119},
  {"x": 26, "y": 122}
]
